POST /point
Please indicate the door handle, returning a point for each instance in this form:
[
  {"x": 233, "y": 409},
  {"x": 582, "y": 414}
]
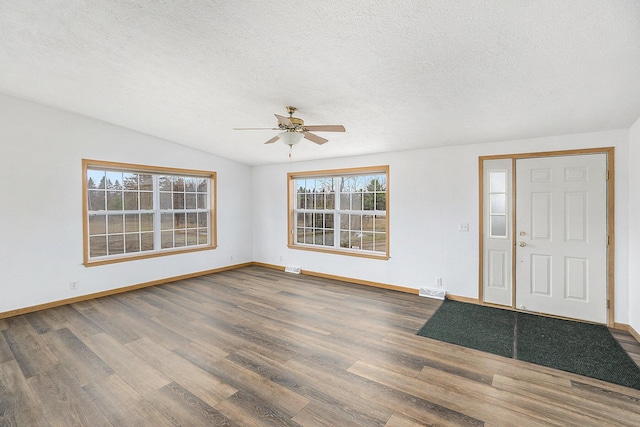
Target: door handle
[{"x": 522, "y": 244}]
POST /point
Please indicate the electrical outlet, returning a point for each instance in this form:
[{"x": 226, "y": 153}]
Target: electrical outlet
[
  {"x": 463, "y": 227},
  {"x": 73, "y": 285},
  {"x": 438, "y": 281}
]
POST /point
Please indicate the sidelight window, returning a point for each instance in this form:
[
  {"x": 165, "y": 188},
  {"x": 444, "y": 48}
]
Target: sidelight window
[{"x": 498, "y": 204}]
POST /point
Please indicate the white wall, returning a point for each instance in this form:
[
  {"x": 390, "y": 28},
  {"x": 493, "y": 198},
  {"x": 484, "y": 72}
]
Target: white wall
[
  {"x": 41, "y": 204},
  {"x": 634, "y": 226},
  {"x": 431, "y": 192}
]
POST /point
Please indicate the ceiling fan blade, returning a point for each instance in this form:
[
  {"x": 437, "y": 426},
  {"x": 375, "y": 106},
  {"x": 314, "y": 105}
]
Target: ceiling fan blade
[
  {"x": 256, "y": 129},
  {"x": 285, "y": 121},
  {"x": 272, "y": 140},
  {"x": 326, "y": 128},
  {"x": 314, "y": 138}
]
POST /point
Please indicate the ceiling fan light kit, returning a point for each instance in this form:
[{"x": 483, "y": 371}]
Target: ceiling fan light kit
[
  {"x": 295, "y": 129},
  {"x": 290, "y": 137}
]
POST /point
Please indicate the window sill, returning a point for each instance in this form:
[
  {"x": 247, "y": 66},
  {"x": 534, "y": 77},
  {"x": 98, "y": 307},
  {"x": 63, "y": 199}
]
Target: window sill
[
  {"x": 383, "y": 257},
  {"x": 125, "y": 258}
]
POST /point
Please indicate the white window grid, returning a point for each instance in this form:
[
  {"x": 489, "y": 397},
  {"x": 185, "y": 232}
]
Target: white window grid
[
  {"x": 149, "y": 235},
  {"x": 498, "y": 204},
  {"x": 343, "y": 222}
]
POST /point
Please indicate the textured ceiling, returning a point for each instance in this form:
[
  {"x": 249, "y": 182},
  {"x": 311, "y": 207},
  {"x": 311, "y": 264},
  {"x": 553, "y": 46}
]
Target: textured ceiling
[{"x": 398, "y": 74}]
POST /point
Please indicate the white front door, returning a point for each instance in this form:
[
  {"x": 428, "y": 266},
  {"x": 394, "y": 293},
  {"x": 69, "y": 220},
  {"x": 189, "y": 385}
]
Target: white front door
[{"x": 561, "y": 236}]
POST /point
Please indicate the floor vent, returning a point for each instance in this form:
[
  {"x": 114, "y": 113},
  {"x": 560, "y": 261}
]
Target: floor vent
[
  {"x": 432, "y": 293},
  {"x": 292, "y": 269}
]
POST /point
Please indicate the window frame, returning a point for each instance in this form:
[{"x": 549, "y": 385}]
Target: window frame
[
  {"x": 88, "y": 164},
  {"x": 335, "y": 173}
]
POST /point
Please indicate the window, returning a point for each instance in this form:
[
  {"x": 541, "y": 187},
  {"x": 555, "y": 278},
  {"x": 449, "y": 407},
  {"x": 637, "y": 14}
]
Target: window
[
  {"x": 343, "y": 211},
  {"x": 134, "y": 211},
  {"x": 498, "y": 204}
]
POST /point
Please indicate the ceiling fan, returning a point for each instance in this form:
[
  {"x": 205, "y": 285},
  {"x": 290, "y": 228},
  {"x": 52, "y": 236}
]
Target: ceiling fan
[{"x": 294, "y": 130}]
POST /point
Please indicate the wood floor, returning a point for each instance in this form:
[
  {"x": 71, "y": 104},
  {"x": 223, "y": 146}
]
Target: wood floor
[{"x": 254, "y": 346}]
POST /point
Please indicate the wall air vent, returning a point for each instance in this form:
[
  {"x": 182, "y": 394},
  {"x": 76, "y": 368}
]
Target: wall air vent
[
  {"x": 432, "y": 293},
  {"x": 292, "y": 269}
]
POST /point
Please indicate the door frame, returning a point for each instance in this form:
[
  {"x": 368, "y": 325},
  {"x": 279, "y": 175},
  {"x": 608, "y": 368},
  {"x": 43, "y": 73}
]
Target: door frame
[{"x": 610, "y": 153}]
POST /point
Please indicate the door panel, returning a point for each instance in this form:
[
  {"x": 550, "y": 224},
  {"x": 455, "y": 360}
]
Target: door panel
[
  {"x": 576, "y": 281},
  {"x": 561, "y": 223},
  {"x": 498, "y": 268},
  {"x": 541, "y": 275}
]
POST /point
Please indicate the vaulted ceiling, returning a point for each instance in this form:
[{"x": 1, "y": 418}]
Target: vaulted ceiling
[{"x": 398, "y": 75}]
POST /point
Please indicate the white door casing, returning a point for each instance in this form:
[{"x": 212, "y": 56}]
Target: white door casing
[{"x": 561, "y": 236}]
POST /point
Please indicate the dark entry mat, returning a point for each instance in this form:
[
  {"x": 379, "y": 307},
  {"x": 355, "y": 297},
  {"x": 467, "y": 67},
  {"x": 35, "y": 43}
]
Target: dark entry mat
[{"x": 580, "y": 348}]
